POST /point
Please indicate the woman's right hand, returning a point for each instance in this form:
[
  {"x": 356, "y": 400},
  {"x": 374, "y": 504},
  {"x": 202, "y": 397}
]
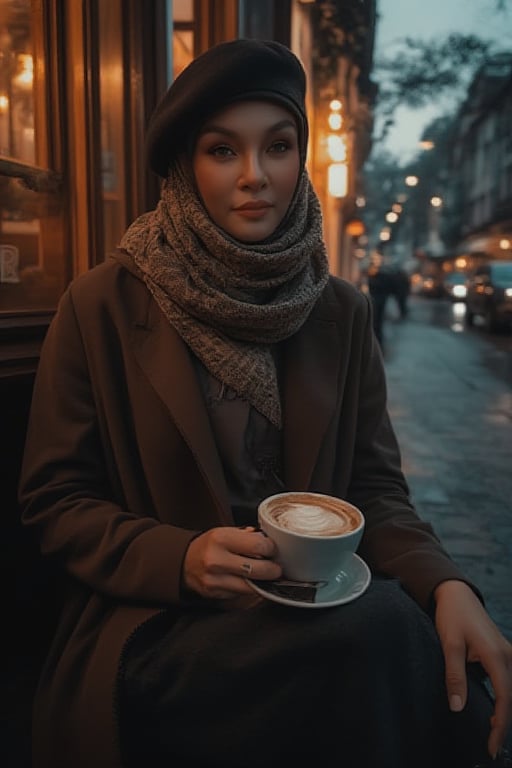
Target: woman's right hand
[{"x": 218, "y": 561}]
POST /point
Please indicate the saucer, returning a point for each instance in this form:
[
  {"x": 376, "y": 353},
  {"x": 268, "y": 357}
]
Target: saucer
[{"x": 349, "y": 584}]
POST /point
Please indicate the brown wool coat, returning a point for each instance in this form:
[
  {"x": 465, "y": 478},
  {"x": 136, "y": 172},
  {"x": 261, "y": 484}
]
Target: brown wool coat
[{"x": 121, "y": 471}]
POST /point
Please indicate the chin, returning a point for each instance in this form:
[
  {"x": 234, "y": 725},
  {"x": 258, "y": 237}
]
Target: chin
[{"x": 252, "y": 237}]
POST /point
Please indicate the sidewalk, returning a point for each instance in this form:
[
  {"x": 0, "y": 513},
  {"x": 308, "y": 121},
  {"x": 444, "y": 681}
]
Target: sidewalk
[{"x": 454, "y": 422}]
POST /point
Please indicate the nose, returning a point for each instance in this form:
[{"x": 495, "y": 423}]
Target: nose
[{"x": 253, "y": 174}]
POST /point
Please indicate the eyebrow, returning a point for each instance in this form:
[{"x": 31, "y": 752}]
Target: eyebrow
[{"x": 213, "y": 128}]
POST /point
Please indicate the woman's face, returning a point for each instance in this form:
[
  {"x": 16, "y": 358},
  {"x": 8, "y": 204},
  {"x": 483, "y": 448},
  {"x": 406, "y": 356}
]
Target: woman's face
[{"x": 246, "y": 165}]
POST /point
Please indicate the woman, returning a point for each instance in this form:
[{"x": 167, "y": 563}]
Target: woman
[{"x": 211, "y": 362}]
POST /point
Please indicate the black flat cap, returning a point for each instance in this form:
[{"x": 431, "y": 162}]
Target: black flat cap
[{"x": 228, "y": 72}]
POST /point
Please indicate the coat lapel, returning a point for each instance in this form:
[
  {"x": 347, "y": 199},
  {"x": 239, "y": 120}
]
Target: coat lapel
[
  {"x": 311, "y": 368},
  {"x": 165, "y": 360}
]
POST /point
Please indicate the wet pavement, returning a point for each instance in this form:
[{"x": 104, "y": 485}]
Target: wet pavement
[{"x": 452, "y": 411}]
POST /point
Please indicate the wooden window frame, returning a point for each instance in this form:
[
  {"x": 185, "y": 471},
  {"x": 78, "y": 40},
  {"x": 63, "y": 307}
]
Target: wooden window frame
[{"x": 22, "y": 331}]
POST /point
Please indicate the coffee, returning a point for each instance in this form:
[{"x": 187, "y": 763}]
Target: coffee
[
  {"x": 314, "y": 519},
  {"x": 315, "y": 535}
]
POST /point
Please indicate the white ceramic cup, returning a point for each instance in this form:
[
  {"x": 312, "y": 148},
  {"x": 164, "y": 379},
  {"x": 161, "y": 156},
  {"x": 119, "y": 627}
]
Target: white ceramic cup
[{"x": 315, "y": 534}]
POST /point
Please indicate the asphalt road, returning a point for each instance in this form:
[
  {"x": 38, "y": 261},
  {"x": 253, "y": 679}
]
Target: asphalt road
[{"x": 450, "y": 398}]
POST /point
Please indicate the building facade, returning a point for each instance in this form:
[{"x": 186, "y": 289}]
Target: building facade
[{"x": 483, "y": 163}]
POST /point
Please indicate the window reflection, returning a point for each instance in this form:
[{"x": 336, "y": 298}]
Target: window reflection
[
  {"x": 32, "y": 261},
  {"x": 111, "y": 123},
  {"x": 183, "y": 37},
  {"x": 16, "y": 82},
  {"x": 182, "y": 50}
]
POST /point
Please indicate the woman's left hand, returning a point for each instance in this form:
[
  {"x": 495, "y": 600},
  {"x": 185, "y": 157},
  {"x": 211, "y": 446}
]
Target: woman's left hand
[{"x": 468, "y": 634}]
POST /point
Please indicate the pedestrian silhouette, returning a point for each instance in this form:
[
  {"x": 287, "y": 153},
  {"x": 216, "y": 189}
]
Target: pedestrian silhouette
[
  {"x": 380, "y": 286},
  {"x": 400, "y": 289}
]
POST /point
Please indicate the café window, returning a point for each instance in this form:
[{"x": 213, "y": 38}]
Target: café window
[
  {"x": 112, "y": 124},
  {"x": 184, "y": 36},
  {"x": 33, "y": 270}
]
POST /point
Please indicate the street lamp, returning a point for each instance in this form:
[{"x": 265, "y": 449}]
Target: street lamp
[
  {"x": 337, "y": 171},
  {"x": 337, "y": 148},
  {"x": 411, "y": 181},
  {"x": 335, "y": 118},
  {"x": 337, "y": 179},
  {"x": 436, "y": 201}
]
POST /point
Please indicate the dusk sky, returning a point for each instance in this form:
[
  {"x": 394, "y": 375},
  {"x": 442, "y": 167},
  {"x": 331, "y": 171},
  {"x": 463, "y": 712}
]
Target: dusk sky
[{"x": 428, "y": 20}]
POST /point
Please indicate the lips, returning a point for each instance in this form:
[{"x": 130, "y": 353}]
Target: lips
[
  {"x": 254, "y": 205},
  {"x": 253, "y": 209}
]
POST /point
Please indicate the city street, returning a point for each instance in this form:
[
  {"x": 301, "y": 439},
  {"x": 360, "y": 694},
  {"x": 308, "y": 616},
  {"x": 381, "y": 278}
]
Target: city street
[{"x": 450, "y": 395}]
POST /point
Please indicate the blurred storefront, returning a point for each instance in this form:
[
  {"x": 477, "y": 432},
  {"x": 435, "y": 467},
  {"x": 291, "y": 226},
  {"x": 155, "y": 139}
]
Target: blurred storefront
[
  {"x": 339, "y": 54},
  {"x": 483, "y": 160}
]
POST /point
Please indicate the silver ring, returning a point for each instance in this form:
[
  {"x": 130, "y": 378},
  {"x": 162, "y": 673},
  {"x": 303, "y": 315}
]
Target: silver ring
[{"x": 246, "y": 568}]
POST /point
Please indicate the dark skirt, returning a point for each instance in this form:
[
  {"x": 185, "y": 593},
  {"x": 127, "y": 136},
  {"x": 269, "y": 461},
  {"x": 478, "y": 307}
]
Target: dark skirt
[{"x": 360, "y": 685}]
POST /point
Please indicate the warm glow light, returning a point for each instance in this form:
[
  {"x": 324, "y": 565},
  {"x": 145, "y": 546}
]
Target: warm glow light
[
  {"x": 436, "y": 201},
  {"x": 396, "y": 207},
  {"x": 335, "y": 121},
  {"x": 4, "y": 103},
  {"x": 337, "y": 179},
  {"x": 411, "y": 181},
  {"x": 461, "y": 262},
  {"x": 427, "y": 144},
  {"x": 391, "y": 217},
  {"x": 337, "y": 148},
  {"x": 25, "y": 77},
  {"x": 355, "y": 227},
  {"x": 335, "y": 105},
  {"x": 385, "y": 234},
  {"x": 504, "y": 244}
]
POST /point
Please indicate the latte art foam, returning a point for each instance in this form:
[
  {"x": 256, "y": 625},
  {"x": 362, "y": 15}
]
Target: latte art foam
[{"x": 314, "y": 520}]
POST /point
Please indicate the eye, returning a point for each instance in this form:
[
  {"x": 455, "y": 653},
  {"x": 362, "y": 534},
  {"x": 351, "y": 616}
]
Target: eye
[
  {"x": 280, "y": 146},
  {"x": 221, "y": 150}
]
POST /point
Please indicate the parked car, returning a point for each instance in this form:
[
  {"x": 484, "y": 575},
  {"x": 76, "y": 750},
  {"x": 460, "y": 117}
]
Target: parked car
[
  {"x": 489, "y": 294},
  {"x": 454, "y": 286}
]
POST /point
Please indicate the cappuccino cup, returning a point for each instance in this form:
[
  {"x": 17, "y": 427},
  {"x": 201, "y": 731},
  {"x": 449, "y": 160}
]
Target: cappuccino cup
[{"x": 315, "y": 534}]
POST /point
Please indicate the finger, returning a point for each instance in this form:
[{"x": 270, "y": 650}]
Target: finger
[
  {"x": 257, "y": 544},
  {"x": 455, "y": 677},
  {"x": 256, "y": 568},
  {"x": 500, "y": 721},
  {"x": 246, "y": 542}
]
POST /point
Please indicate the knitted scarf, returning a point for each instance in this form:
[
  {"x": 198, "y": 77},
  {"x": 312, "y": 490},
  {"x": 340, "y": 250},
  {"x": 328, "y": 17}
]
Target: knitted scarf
[{"x": 230, "y": 300}]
